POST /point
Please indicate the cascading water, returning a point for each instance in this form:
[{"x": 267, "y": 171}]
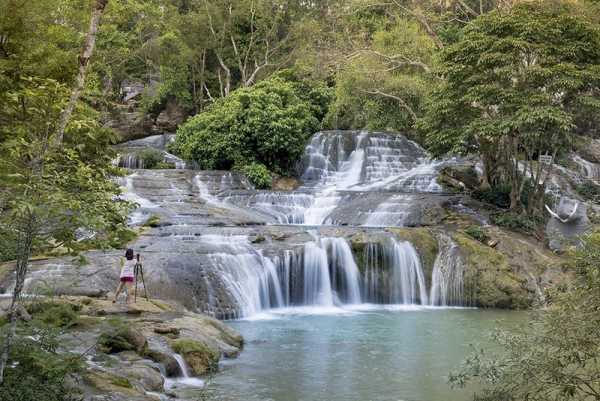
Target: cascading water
[
  {"x": 447, "y": 279},
  {"x": 393, "y": 274},
  {"x": 324, "y": 273},
  {"x": 251, "y": 279}
]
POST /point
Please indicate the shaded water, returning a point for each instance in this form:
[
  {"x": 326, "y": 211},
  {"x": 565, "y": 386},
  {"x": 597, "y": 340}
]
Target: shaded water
[{"x": 372, "y": 354}]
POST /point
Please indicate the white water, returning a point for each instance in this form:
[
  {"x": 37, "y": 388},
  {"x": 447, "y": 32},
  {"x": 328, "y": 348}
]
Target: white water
[
  {"x": 393, "y": 274},
  {"x": 390, "y": 213},
  {"x": 447, "y": 279},
  {"x": 138, "y": 216},
  {"x": 323, "y": 274},
  {"x": 186, "y": 380}
]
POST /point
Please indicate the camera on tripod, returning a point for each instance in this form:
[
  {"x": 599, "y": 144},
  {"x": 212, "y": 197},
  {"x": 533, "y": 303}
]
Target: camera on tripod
[{"x": 138, "y": 270}]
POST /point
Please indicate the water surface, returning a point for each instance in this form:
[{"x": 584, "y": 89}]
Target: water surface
[{"x": 365, "y": 354}]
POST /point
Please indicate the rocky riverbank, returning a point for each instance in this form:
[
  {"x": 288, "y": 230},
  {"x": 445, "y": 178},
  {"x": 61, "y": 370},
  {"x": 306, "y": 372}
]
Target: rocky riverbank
[{"x": 143, "y": 351}]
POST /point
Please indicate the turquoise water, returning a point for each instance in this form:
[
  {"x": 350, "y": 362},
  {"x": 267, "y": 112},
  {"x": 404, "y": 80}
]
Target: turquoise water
[{"x": 370, "y": 354}]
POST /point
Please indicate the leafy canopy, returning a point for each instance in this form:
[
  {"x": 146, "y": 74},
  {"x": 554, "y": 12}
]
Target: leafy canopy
[
  {"x": 268, "y": 123},
  {"x": 521, "y": 74}
]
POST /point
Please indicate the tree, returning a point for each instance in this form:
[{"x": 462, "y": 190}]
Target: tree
[
  {"x": 268, "y": 123},
  {"x": 513, "y": 83},
  {"x": 52, "y": 188},
  {"x": 556, "y": 356}
]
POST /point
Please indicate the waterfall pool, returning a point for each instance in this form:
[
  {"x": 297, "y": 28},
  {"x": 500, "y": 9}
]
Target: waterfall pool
[{"x": 362, "y": 353}]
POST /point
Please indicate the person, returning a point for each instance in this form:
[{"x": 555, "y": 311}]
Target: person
[{"x": 127, "y": 275}]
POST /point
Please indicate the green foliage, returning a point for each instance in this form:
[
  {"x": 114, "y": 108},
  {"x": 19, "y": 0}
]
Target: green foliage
[
  {"x": 58, "y": 315},
  {"x": 498, "y": 195},
  {"x": 258, "y": 175},
  {"x": 153, "y": 221},
  {"x": 151, "y": 158},
  {"x": 517, "y": 222},
  {"x": 378, "y": 89},
  {"x": 513, "y": 83},
  {"x": 477, "y": 233},
  {"x": 554, "y": 357},
  {"x": 37, "y": 371},
  {"x": 50, "y": 190},
  {"x": 589, "y": 190},
  {"x": 268, "y": 123}
]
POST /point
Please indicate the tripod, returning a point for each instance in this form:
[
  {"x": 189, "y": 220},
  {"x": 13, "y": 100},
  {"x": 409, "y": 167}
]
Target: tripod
[{"x": 139, "y": 271}]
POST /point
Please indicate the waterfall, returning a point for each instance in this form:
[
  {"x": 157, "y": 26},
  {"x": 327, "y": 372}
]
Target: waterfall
[
  {"x": 186, "y": 379},
  {"x": 391, "y": 212},
  {"x": 447, "y": 279},
  {"x": 250, "y": 279},
  {"x": 322, "y": 273},
  {"x": 285, "y": 208},
  {"x": 393, "y": 274}
]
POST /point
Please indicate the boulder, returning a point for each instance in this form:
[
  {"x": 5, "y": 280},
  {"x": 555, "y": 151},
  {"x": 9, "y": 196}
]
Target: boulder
[
  {"x": 169, "y": 362},
  {"x": 147, "y": 376},
  {"x": 200, "y": 357},
  {"x": 567, "y": 223},
  {"x": 123, "y": 339}
]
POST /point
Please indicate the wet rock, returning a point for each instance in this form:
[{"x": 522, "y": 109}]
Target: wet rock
[
  {"x": 170, "y": 364},
  {"x": 459, "y": 177},
  {"x": 285, "y": 184},
  {"x": 149, "y": 377},
  {"x": 200, "y": 357}
]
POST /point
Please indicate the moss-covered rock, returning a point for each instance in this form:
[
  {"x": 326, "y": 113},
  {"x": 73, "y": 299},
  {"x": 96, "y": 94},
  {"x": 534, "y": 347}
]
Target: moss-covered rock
[
  {"x": 200, "y": 357},
  {"x": 122, "y": 339},
  {"x": 489, "y": 280}
]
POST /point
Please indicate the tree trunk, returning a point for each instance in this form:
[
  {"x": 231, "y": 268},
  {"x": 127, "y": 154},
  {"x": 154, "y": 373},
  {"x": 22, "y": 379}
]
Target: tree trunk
[
  {"x": 84, "y": 59},
  {"x": 24, "y": 252}
]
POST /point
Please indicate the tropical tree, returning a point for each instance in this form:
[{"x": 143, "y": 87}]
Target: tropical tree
[
  {"x": 54, "y": 167},
  {"x": 513, "y": 84}
]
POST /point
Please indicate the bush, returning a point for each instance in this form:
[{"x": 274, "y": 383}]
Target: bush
[
  {"x": 153, "y": 221},
  {"x": 151, "y": 158},
  {"x": 477, "y": 233},
  {"x": 268, "y": 123},
  {"x": 59, "y": 315},
  {"x": 589, "y": 190},
  {"x": 498, "y": 195},
  {"x": 516, "y": 222},
  {"x": 258, "y": 175},
  {"x": 36, "y": 371}
]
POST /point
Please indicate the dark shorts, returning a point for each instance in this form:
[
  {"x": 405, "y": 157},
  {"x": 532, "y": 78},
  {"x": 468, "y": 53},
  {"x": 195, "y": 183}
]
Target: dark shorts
[{"x": 127, "y": 279}]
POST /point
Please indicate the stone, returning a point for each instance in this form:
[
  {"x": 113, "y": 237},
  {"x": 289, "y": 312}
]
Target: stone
[
  {"x": 567, "y": 223},
  {"x": 166, "y": 330},
  {"x": 200, "y": 357},
  {"x": 149, "y": 377},
  {"x": 172, "y": 368},
  {"x": 123, "y": 339}
]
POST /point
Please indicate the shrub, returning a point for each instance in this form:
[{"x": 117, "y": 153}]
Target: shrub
[
  {"x": 498, "y": 195},
  {"x": 258, "y": 175},
  {"x": 7, "y": 246},
  {"x": 477, "y": 233},
  {"x": 59, "y": 315},
  {"x": 589, "y": 190},
  {"x": 150, "y": 158},
  {"x": 153, "y": 221},
  {"x": 268, "y": 123},
  {"x": 553, "y": 357},
  {"x": 516, "y": 222},
  {"x": 36, "y": 371}
]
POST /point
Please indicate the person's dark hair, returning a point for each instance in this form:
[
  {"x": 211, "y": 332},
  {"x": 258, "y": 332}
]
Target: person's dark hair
[{"x": 129, "y": 254}]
